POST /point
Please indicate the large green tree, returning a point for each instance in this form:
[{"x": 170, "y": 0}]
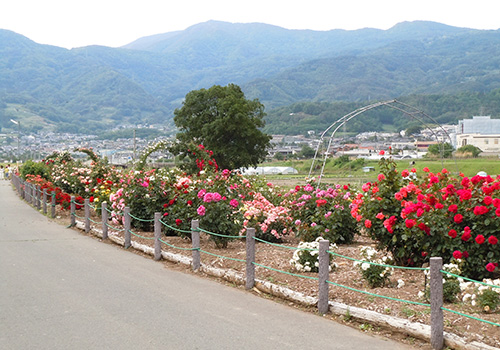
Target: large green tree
[{"x": 224, "y": 121}]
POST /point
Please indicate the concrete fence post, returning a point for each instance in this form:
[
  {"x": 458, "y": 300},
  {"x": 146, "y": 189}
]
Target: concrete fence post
[
  {"x": 250, "y": 259},
  {"x": 33, "y": 195},
  {"x": 44, "y": 201},
  {"x": 21, "y": 187},
  {"x": 38, "y": 197},
  {"x": 87, "y": 215},
  {"x": 157, "y": 236},
  {"x": 323, "y": 273},
  {"x": 104, "y": 216},
  {"x": 126, "y": 224},
  {"x": 195, "y": 239},
  {"x": 53, "y": 205},
  {"x": 436, "y": 289},
  {"x": 72, "y": 212}
]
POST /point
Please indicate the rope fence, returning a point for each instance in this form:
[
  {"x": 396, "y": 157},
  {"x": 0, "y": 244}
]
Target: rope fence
[{"x": 38, "y": 198}]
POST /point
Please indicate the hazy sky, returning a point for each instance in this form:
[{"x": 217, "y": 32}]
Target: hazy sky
[{"x": 75, "y": 23}]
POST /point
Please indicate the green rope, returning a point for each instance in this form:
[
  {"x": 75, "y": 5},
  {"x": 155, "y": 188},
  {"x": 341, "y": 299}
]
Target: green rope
[
  {"x": 377, "y": 264},
  {"x": 143, "y": 220},
  {"x": 115, "y": 228},
  {"x": 175, "y": 247},
  {"x": 469, "y": 316},
  {"x": 95, "y": 222},
  {"x": 468, "y": 279},
  {"x": 109, "y": 211},
  {"x": 286, "y": 273},
  {"x": 221, "y": 256},
  {"x": 284, "y": 246},
  {"x": 378, "y": 295},
  {"x": 218, "y": 234},
  {"x": 79, "y": 217},
  {"x": 137, "y": 235},
  {"x": 174, "y": 228}
]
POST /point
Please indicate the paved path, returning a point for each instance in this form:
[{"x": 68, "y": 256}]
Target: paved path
[{"x": 62, "y": 290}]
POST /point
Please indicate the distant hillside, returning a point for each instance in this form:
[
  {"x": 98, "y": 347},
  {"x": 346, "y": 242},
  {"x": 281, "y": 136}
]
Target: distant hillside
[
  {"x": 301, "y": 117},
  {"x": 66, "y": 90},
  {"x": 95, "y": 88},
  {"x": 469, "y": 62}
]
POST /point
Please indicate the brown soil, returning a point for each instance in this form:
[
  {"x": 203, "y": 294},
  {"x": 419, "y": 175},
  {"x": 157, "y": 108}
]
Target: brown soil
[{"x": 345, "y": 274}]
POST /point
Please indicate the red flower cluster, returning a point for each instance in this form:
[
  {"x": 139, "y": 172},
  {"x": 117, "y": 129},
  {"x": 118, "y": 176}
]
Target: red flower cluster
[{"x": 442, "y": 215}]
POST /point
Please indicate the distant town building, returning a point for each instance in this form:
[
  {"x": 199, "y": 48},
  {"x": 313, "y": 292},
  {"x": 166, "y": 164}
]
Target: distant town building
[
  {"x": 480, "y": 131},
  {"x": 483, "y": 125}
]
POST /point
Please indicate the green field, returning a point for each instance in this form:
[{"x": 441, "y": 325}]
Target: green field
[{"x": 353, "y": 173}]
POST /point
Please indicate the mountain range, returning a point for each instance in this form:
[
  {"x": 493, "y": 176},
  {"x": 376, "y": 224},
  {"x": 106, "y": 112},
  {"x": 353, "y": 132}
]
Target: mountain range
[{"x": 95, "y": 88}]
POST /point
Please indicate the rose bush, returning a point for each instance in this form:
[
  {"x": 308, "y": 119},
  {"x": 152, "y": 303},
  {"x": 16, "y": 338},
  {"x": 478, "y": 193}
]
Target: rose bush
[
  {"x": 436, "y": 215},
  {"x": 322, "y": 212}
]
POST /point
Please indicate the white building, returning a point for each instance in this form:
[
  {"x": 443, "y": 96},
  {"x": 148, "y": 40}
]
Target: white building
[{"x": 481, "y": 132}]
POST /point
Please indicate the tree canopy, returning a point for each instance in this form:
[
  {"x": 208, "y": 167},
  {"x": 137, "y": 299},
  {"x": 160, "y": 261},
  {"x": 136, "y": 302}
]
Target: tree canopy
[
  {"x": 224, "y": 121},
  {"x": 443, "y": 150}
]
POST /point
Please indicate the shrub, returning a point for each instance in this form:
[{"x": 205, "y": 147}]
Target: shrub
[
  {"x": 33, "y": 168},
  {"x": 306, "y": 257},
  {"x": 322, "y": 212},
  {"x": 375, "y": 275},
  {"x": 436, "y": 215},
  {"x": 488, "y": 299}
]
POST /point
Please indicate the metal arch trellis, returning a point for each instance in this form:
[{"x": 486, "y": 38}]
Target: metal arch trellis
[{"x": 395, "y": 104}]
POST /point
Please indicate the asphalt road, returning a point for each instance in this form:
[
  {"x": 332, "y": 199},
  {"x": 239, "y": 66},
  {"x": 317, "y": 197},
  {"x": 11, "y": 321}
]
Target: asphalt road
[{"x": 62, "y": 290}]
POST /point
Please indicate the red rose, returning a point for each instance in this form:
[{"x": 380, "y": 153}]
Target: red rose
[
  {"x": 480, "y": 210},
  {"x": 297, "y": 188},
  {"x": 453, "y": 208},
  {"x": 178, "y": 222},
  {"x": 382, "y": 152},
  {"x": 452, "y": 233},
  {"x": 487, "y": 200},
  {"x": 492, "y": 240},
  {"x": 465, "y": 254},
  {"x": 426, "y": 170},
  {"x": 410, "y": 223},
  {"x": 457, "y": 254},
  {"x": 466, "y": 236},
  {"x": 424, "y": 254},
  {"x": 490, "y": 267},
  {"x": 368, "y": 223},
  {"x": 405, "y": 173},
  {"x": 480, "y": 239},
  {"x": 91, "y": 199},
  {"x": 320, "y": 202},
  {"x": 458, "y": 218},
  {"x": 189, "y": 202}
]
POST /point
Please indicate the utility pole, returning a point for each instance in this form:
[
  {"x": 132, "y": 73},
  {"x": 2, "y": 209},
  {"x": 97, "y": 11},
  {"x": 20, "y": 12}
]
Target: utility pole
[
  {"x": 135, "y": 144},
  {"x": 18, "y": 123}
]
